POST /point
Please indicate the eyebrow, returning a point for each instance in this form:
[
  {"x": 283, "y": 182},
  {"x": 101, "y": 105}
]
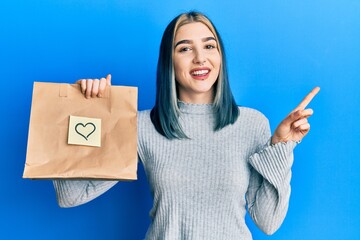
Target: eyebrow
[{"x": 186, "y": 41}]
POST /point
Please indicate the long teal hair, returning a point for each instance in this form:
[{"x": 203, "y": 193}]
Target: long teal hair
[{"x": 165, "y": 113}]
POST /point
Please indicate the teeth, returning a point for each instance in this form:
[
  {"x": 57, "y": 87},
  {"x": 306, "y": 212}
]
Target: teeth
[{"x": 200, "y": 72}]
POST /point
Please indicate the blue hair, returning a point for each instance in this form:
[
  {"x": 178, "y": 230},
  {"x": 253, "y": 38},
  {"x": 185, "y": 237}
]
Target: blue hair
[{"x": 165, "y": 113}]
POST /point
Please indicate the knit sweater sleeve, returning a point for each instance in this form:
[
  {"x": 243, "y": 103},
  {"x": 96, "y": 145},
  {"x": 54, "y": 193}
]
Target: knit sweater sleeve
[
  {"x": 71, "y": 193},
  {"x": 268, "y": 192}
]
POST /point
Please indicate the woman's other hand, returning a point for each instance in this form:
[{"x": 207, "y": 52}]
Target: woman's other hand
[
  {"x": 295, "y": 126},
  {"x": 94, "y": 87}
]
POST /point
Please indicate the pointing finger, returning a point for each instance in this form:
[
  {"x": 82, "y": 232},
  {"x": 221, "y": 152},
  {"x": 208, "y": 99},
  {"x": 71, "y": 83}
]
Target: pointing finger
[{"x": 307, "y": 99}]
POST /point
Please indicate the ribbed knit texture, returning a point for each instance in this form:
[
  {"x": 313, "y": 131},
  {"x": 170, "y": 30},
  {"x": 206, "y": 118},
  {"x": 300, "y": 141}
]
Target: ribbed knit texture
[{"x": 201, "y": 185}]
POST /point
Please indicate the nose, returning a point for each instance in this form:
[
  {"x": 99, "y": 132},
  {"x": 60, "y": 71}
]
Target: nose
[{"x": 199, "y": 57}]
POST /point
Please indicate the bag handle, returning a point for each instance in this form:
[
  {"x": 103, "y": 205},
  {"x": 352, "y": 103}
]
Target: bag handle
[{"x": 63, "y": 90}]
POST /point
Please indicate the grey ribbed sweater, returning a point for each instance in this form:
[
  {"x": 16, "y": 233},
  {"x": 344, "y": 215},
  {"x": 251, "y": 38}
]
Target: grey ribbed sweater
[{"x": 201, "y": 185}]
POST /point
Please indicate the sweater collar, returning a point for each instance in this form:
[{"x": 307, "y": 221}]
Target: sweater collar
[{"x": 199, "y": 109}]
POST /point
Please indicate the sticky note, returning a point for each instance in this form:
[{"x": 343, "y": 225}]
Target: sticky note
[{"x": 84, "y": 131}]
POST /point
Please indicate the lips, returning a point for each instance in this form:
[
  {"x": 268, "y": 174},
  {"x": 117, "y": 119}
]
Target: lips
[{"x": 200, "y": 73}]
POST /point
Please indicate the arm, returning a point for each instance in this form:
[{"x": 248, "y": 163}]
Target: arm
[
  {"x": 71, "y": 193},
  {"x": 269, "y": 185}
]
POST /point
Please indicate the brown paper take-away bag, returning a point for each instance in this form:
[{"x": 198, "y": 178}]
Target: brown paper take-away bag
[{"x": 49, "y": 154}]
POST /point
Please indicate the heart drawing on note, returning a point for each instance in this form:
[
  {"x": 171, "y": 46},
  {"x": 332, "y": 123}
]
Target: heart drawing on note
[{"x": 85, "y": 130}]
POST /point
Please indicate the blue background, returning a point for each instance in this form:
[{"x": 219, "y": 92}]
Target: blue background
[{"x": 277, "y": 52}]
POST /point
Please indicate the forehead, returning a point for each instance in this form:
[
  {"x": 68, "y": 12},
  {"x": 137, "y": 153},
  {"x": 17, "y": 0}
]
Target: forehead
[{"x": 194, "y": 31}]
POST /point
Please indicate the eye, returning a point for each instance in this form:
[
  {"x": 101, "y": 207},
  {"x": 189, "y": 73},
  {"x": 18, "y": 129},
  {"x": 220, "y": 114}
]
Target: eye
[
  {"x": 210, "y": 46},
  {"x": 184, "y": 49}
]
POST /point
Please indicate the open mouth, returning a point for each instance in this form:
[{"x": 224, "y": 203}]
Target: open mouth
[{"x": 200, "y": 73}]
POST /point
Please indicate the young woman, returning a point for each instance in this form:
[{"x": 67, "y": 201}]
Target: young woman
[{"x": 206, "y": 159}]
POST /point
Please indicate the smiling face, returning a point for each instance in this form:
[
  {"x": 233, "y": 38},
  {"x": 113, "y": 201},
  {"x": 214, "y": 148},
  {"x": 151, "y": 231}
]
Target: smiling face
[{"x": 197, "y": 62}]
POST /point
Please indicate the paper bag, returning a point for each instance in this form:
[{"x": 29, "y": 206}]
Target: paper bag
[{"x": 50, "y": 152}]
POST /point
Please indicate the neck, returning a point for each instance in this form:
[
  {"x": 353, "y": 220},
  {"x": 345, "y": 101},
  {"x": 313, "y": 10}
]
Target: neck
[{"x": 204, "y": 98}]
